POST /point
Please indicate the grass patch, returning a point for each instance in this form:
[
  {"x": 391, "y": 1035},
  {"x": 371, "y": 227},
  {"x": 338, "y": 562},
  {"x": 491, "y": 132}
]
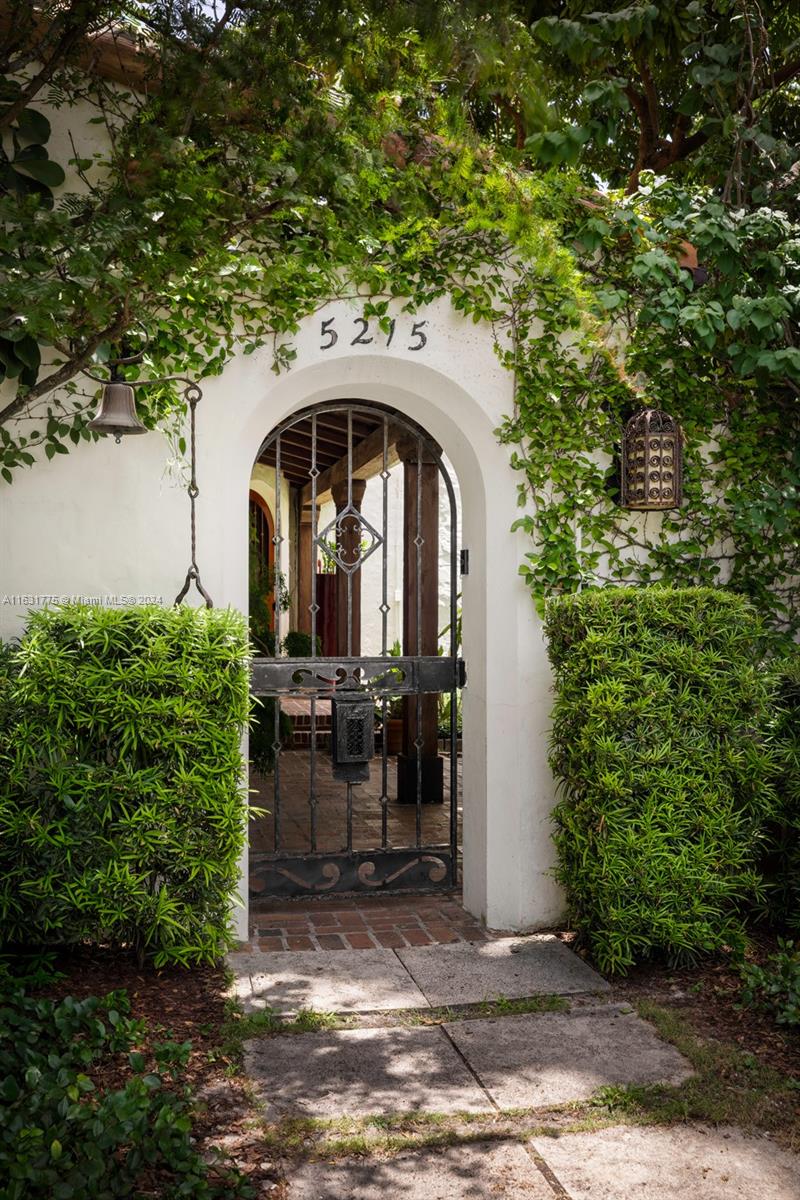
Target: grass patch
[
  {"x": 502, "y": 1007},
  {"x": 348, "y": 1137},
  {"x": 239, "y": 1027},
  {"x": 498, "y": 1007},
  {"x": 731, "y": 1087}
]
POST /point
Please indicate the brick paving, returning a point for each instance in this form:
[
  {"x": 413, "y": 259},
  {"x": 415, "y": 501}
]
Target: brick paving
[
  {"x": 391, "y": 922},
  {"x": 331, "y": 799}
]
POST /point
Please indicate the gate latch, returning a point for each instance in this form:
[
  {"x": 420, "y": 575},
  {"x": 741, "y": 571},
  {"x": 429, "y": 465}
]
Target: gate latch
[{"x": 352, "y": 736}]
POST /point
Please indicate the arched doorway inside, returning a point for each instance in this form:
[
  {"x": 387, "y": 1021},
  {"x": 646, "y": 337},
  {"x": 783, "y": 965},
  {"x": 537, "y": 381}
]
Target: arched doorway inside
[
  {"x": 261, "y": 570},
  {"x": 356, "y": 749}
]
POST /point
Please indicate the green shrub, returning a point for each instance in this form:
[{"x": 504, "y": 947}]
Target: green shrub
[
  {"x": 262, "y": 733},
  {"x": 298, "y": 645},
  {"x": 8, "y": 672},
  {"x": 122, "y": 806},
  {"x": 782, "y": 861},
  {"x": 63, "y": 1137},
  {"x": 666, "y": 776},
  {"x": 775, "y": 987}
]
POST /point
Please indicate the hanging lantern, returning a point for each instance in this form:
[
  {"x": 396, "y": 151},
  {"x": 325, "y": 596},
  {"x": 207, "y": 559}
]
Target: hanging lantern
[
  {"x": 652, "y": 461},
  {"x": 117, "y": 413}
]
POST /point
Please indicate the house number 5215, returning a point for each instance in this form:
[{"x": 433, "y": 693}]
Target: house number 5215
[{"x": 417, "y": 338}]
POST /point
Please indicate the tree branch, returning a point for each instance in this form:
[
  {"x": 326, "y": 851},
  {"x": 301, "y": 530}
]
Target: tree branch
[
  {"x": 66, "y": 372},
  {"x": 519, "y": 125},
  {"x": 76, "y": 23}
]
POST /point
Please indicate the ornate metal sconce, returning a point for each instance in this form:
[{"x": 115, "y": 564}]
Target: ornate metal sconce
[{"x": 652, "y": 462}]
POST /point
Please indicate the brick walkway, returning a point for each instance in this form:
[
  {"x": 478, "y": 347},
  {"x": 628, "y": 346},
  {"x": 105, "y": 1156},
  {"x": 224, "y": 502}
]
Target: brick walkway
[
  {"x": 363, "y": 924},
  {"x": 331, "y": 797}
]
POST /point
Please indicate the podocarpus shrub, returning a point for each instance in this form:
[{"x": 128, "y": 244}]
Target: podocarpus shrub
[
  {"x": 122, "y": 807},
  {"x": 666, "y": 774},
  {"x": 782, "y": 861}
]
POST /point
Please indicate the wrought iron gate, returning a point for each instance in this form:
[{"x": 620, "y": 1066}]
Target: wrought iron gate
[{"x": 345, "y": 814}]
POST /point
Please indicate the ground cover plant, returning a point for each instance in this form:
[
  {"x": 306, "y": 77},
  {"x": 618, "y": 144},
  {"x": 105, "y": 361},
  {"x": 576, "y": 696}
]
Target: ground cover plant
[
  {"x": 64, "y": 1137},
  {"x": 122, "y": 812},
  {"x": 665, "y": 769},
  {"x": 776, "y": 985}
]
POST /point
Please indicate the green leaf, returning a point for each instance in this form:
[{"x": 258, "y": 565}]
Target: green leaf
[
  {"x": 47, "y": 172},
  {"x": 33, "y": 125}
]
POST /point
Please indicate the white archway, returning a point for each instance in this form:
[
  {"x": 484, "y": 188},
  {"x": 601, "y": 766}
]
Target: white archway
[{"x": 507, "y": 790}]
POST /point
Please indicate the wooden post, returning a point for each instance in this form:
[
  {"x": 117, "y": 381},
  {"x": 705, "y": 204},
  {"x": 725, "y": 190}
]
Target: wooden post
[
  {"x": 306, "y": 568},
  {"x": 349, "y": 551},
  {"x": 420, "y": 624}
]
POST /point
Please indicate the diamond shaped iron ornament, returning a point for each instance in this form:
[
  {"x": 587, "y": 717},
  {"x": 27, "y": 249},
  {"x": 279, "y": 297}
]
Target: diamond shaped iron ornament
[{"x": 329, "y": 539}]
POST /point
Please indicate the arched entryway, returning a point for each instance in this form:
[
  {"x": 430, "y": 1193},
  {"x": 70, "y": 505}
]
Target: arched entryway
[
  {"x": 356, "y": 750},
  {"x": 457, "y": 392}
]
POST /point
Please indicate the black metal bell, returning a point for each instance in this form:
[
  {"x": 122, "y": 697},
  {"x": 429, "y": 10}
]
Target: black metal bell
[{"x": 117, "y": 413}]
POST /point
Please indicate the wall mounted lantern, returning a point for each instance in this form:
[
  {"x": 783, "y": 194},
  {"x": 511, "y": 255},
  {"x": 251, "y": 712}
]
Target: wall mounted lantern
[{"x": 652, "y": 462}]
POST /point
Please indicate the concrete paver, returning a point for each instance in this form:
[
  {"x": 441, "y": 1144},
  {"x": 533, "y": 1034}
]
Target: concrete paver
[
  {"x": 510, "y": 967},
  {"x": 549, "y": 1058},
  {"x": 501, "y": 1171},
  {"x": 358, "y": 1072},
  {"x": 678, "y": 1163},
  {"x": 325, "y": 980}
]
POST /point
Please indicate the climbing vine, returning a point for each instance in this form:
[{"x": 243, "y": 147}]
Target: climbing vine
[
  {"x": 714, "y": 348},
  {"x": 219, "y": 213}
]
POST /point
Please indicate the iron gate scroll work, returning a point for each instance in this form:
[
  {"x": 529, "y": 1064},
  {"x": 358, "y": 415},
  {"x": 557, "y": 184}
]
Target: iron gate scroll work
[{"x": 337, "y": 693}]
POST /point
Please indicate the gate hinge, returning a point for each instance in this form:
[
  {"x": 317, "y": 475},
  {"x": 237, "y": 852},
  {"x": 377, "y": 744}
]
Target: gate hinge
[
  {"x": 464, "y": 561},
  {"x": 461, "y": 673}
]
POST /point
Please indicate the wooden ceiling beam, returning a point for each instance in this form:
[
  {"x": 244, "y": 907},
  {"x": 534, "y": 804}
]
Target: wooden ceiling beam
[{"x": 367, "y": 462}]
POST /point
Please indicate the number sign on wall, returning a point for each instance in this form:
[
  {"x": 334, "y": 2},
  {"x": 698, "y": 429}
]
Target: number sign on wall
[{"x": 417, "y": 338}]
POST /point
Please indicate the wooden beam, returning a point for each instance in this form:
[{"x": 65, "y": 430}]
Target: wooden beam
[
  {"x": 338, "y": 425},
  {"x": 300, "y": 456},
  {"x": 335, "y": 446},
  {"x": 367, "y": 461}
]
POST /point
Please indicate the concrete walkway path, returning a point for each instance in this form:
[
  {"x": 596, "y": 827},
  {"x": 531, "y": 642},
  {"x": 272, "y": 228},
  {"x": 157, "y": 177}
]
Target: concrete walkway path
[
  {"x": 423, "y": 977},
  {"x": 445, "y": 1036}
]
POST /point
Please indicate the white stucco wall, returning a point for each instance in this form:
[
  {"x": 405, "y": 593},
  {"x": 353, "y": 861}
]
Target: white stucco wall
[{"x": 109, "y": 521}]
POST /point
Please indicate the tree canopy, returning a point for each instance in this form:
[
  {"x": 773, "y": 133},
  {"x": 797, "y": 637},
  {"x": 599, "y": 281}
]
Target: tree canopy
[{"x": 552, "y": 166}]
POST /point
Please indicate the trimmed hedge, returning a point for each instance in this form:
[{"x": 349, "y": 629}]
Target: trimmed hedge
[
  {"x": 666, "y": 775},
  {"x": 782, "y": 865},
  {"x": 122, "y": 805}
]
